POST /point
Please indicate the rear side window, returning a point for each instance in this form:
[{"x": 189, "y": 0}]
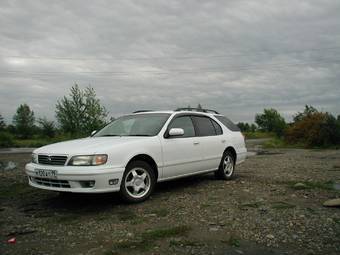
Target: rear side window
[
  {"x": 217, "y": 127},
  {"x": 185, "y": 123},
  {"x": 205, "y": 126},
  {"x": 228, "y": 123}
]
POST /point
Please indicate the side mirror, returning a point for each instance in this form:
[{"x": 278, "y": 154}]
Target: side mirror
[
  {"x": 176, "y": 132},
  {"x": 93, "y": 132}
]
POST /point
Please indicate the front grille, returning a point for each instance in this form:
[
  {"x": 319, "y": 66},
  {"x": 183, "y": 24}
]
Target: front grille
[
  {"x": 51, "y": 182},
  {"x": 52, "y": 160}
]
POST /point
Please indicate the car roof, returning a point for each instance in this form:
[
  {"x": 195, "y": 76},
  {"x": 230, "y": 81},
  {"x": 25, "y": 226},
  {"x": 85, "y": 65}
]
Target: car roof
[{"x": 178, "y": 112}]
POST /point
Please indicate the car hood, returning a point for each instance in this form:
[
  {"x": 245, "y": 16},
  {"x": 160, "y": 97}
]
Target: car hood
[{"x": 87, "y": 146}]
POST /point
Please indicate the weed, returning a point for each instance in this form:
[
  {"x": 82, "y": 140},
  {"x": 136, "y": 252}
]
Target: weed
[
  {"x": 165, "y": 232},
  {"x": 161, "y": 212},
  {"x": 281, "y": 205},
  {"x": 233, "y": 241},
  {"x": 252, "y": 205}
]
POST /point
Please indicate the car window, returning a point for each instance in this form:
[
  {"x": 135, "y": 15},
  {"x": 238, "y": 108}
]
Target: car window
[
  {"x": 185, "y": 123},
  {"x": 217, "y": 127},
  {"x": 135, "y": 125},
  {"x": 228, "y": 123},
  {"x": 205, "y": 126}
]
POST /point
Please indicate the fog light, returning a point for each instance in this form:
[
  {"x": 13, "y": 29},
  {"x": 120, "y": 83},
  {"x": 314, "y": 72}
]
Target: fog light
[
  {"x": 87, "y": 184},
  {"x": 113, "y": 181}
]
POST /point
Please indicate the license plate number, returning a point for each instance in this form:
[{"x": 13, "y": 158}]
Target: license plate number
[{"x": 52, "y": 174}]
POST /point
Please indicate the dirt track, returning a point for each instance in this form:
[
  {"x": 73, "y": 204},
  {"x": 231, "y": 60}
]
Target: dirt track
[{"x": 260, "y": 212}]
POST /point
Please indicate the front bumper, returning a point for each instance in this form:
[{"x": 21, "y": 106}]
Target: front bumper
[{"x": 75, "y": 179}]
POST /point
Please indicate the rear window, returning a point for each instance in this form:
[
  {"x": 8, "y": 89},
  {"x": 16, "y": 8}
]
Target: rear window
[
  {"x": 217, "y": 127},
  {"x": 228, "y": 123}
]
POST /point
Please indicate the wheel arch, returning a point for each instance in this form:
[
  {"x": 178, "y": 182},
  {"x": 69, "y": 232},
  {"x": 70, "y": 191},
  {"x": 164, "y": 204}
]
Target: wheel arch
[
  {"x": 232, "y": 151},
  {"x": 148, "y": 159}
]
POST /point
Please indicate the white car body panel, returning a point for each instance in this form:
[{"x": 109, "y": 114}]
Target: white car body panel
[{"x": 175, "y": 157}]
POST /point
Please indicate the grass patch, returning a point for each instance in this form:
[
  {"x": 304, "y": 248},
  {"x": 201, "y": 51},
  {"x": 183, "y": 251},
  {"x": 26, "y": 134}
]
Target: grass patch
[
  {"x": 132, "y": 244},
  {"x": 147, "y": 239},
  {"x": 14, "y": 190},
  {"x": 233, "y": 242},
  {"x": 282, "y": 205},
  {"x": 276, "y": 143},
  {"x": 126, "y": 215},
  {"x": 162, "y": 233},
  {"x": 252, "y": 205},
  {"x": 308, "y": 185},
  {"x": 41, "y": 141},
  {"x": 66, "y": 219},
  {"x": 258, "y": 135},
  {"x": 161, "y": 212}
]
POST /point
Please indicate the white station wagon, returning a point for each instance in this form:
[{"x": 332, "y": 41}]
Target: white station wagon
[{"x": 134, "y": 152}]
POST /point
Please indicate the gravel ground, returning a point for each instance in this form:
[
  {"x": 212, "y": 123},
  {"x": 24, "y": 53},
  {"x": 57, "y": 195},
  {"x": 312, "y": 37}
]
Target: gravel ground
[{"x": 259, "y": 212}]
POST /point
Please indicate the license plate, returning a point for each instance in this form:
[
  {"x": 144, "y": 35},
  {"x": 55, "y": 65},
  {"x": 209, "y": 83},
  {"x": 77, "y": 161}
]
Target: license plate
[{"x": 52, "y": 174}]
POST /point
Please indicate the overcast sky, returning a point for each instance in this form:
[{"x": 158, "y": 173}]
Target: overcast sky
[{"x": 234, "y": 56}]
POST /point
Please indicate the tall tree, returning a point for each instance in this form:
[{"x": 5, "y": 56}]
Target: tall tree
[
  {"x": 199, "y": 106},
  {"x": 81, "y": 112},
  {"x": 47, "y": 127},
  {"x": 2, "y": 123},
  {"x": 23, "y": 121},
  {"x": 271, "y": 121}
]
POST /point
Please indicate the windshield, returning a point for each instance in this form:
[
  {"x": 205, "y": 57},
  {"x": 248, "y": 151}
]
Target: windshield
[{"x": 135, "y": 125}]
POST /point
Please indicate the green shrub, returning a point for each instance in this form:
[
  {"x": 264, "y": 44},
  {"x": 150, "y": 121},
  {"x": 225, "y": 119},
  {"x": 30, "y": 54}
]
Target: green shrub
[
  {"x": 6, "y": 140},
  {"x": 317, "y": 129}
]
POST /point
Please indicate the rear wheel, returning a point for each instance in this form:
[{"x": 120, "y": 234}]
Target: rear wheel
[
  {"x": 227, "y": 167},
  {"x": 138, "y": 182}
]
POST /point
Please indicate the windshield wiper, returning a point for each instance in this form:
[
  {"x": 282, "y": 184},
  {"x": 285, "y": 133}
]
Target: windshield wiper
[{"x": 109, "y": 135}]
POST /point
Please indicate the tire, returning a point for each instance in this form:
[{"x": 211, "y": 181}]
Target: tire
[
  {"x": 226, "y": 169},
  {"x": 138, "y": 182}
]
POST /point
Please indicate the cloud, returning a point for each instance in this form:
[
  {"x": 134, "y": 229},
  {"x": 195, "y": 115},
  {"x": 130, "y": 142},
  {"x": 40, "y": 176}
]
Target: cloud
[{"x": 234, "y": 56}]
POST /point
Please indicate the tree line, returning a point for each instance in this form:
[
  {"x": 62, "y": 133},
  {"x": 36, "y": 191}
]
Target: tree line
[
  {"x": 81, "y": 112},
  {"x": 77, "y": 115},
  {"x": 310, "y": 128}
]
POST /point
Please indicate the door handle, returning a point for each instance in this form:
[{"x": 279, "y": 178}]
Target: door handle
[{"x": 196, "y": 143}]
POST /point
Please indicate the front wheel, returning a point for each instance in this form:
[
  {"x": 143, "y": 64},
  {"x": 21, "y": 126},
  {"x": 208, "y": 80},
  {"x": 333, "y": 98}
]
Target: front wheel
[
  {"x": 138, "y": 182},
  {"x": 227, "y": 167}
]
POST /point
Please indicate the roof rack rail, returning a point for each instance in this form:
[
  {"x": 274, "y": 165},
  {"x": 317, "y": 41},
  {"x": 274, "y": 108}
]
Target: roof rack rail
[
  {"x": 196, "y": 110},
  {"x": 143, "y": 111}
]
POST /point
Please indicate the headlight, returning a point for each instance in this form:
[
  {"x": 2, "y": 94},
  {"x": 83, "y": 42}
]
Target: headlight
[
  {"x": 34, "y": 158},
  {"x": 88, "y": 160}
]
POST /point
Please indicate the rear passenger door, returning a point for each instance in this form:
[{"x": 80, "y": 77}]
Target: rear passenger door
[{"x": 212, "y": 143}]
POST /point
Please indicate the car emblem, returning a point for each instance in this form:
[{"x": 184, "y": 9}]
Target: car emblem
[{"x": 49, "y": 158}]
